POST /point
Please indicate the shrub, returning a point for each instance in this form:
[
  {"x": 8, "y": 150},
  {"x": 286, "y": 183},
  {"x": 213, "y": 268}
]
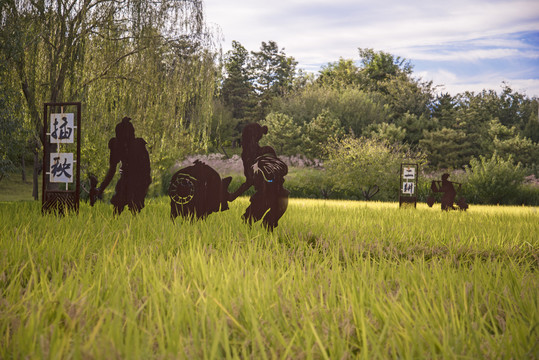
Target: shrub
[
  {"x": 494, "y": 180},
  {"x": 357, "y": 165}
]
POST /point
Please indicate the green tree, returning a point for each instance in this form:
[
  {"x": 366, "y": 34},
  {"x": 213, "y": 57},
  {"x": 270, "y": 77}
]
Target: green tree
[
  {"x": 406, "y": 95},
  {"x": 390, "y": 133},
  {"x": 446, "y": 148},
  {"x": 531, "y": 129},
  {"x": 390, "y": 76},
  {"x": 318, "y": 132},
  {"x": 379, "y": 66},
  {"x": 283, "y": 134},
  {"x": 355, "y": 108},
  {"x": 521, "y": 150},
  {"x": 225, "y": 130},
  {"x": 357, "y": 165},
  {"x": 415, "y": 126},
  {"x": 444, "y": 109},
  {"x": 12, "y": 139},
  {"x": 70, "y": 50},
  {"x": 493, "y": 180},
  {"x": 13, "y": 133},
  {"x": 237, "y": 90},
  {"x": 273, "y": 73},
  {"x": 340, "y": 74}
]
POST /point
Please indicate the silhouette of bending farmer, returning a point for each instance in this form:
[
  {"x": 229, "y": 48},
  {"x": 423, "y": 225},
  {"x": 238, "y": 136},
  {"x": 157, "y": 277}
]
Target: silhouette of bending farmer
[
  {"x": 264, "y": 171},
  {"x": 135, "y": 176}
]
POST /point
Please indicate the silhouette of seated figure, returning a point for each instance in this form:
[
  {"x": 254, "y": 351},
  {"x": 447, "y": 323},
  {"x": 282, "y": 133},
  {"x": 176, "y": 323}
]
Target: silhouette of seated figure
[
  {"x": 264, "y": 171},
  {"x": 135, "y": 176}
]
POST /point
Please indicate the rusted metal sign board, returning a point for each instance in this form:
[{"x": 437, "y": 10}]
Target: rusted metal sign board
[
  {"x": 61, "y": 157},
  {"x": 408, "y": 184}
]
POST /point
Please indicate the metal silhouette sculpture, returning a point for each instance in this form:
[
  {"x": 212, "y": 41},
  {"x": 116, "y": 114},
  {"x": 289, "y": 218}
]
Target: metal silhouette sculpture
[
  {"x": 197, "y": 191},
  {"x": 265, "y": 171},
  {"x": 135, "y": 176},
  {"x": 449, "y": 193}
]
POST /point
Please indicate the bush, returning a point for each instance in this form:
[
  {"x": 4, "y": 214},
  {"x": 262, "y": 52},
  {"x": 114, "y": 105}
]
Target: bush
[
  {"x": 356, "y": 166},
  {"x": 528, "y": 195},
  {"x": 493, "y": 181}
]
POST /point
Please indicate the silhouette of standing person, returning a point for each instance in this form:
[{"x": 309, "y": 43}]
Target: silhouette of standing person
[
  {"x": 264, "y": 171},
  {"x": 448, "y": 189},
  {"x": 135, "y": 176}
]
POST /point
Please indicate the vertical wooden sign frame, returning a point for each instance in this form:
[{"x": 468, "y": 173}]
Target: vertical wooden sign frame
[
  {"x": 408, "y": 184},
  {"x": 56, "y": 172}
]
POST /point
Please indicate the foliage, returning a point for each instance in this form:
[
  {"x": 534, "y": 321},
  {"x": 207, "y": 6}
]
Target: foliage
[
  {"x": 273, "y": 74},
  {"x": 494, "y": 180},
  {"x": 13, "y": 135},
  {"x": 531, "y": 130},
  {"x": 406, "y": 95},
  {"x": 354, "y": 108},
  {"x": 447, "y": 148},
  {"x": 358, "y": 165},
  {"x": 415, "y": 127},
  {"x": 238, "y": 92},
  {"x": 152, "y": 61},
  {"x": 390, "y": 133},
  {"x": 379, "y": 66},
  {"x": 225, "y": 127},
  {"x": 339, "y": 75},
  {"x": 317, "y": 133},
  {"x": 283, "y": 134}
]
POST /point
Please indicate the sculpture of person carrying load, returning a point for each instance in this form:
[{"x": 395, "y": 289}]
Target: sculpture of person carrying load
[{"x": 449, "y": 193}]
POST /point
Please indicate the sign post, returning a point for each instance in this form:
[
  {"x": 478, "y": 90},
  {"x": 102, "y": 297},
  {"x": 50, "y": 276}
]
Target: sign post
[
  {"x": 408, "y": 184},
  {"x": 61, "y": 157}
]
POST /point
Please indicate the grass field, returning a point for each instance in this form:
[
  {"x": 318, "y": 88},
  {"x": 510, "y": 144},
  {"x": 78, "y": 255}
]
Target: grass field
[{"x": 335, "y": 280}]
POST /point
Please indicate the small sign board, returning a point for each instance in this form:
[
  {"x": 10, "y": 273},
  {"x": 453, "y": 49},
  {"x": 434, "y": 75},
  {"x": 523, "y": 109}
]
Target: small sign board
[
  {"x": 61, "y": 155},
  {"x": 408, "y": 184}
]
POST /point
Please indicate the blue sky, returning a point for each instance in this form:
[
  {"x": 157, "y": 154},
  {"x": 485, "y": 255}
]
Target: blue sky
[{"x": 458, "y": 44}]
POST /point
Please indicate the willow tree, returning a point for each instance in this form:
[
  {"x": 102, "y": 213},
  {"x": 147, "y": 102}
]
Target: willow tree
[{"x": 112, "y": 54}]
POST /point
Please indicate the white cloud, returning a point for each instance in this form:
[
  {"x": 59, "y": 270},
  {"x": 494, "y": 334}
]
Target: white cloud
[
  {"x": 452, "y": 83},
  {"x": 469, "y": 54},
  {"x": 316, "y": 32}
]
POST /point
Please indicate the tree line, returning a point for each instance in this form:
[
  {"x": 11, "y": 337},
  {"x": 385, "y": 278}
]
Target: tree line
[
  {"x": 159, "y": 63},
  {"x": 378, "y": 97}
]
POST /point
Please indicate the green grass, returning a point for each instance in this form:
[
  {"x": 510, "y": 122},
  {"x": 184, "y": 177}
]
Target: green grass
[
  {"x": 12, "y": 188},
  {"x": 335, "y": 280}
]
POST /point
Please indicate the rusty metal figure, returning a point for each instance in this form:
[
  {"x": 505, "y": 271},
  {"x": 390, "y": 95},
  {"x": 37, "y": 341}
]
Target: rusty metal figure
[
  {"x": 449, "y": 193},
  {"x": 265, "y": 171},
  {"x": 135, "y": 176},
  {"x": 197, "y": 191}
]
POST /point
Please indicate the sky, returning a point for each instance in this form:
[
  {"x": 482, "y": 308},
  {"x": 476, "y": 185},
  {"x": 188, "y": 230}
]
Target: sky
[{"x": 460, "y": 45}]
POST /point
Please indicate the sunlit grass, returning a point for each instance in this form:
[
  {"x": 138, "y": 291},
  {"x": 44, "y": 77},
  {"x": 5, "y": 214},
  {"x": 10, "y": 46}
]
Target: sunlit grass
[{"x": 336, "y": 279}]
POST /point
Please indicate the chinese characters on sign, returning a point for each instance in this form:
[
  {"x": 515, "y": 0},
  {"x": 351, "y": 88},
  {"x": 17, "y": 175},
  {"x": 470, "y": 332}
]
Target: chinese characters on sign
[
  {"x": 408, "y": 181},
  {"x": 408, "y": 188},
  {"x": 409, "y": 173},
  {"x": 61, "y": 168},
  {"x": 61, "y": 132},
  {"x": 62, "y": 126}
]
